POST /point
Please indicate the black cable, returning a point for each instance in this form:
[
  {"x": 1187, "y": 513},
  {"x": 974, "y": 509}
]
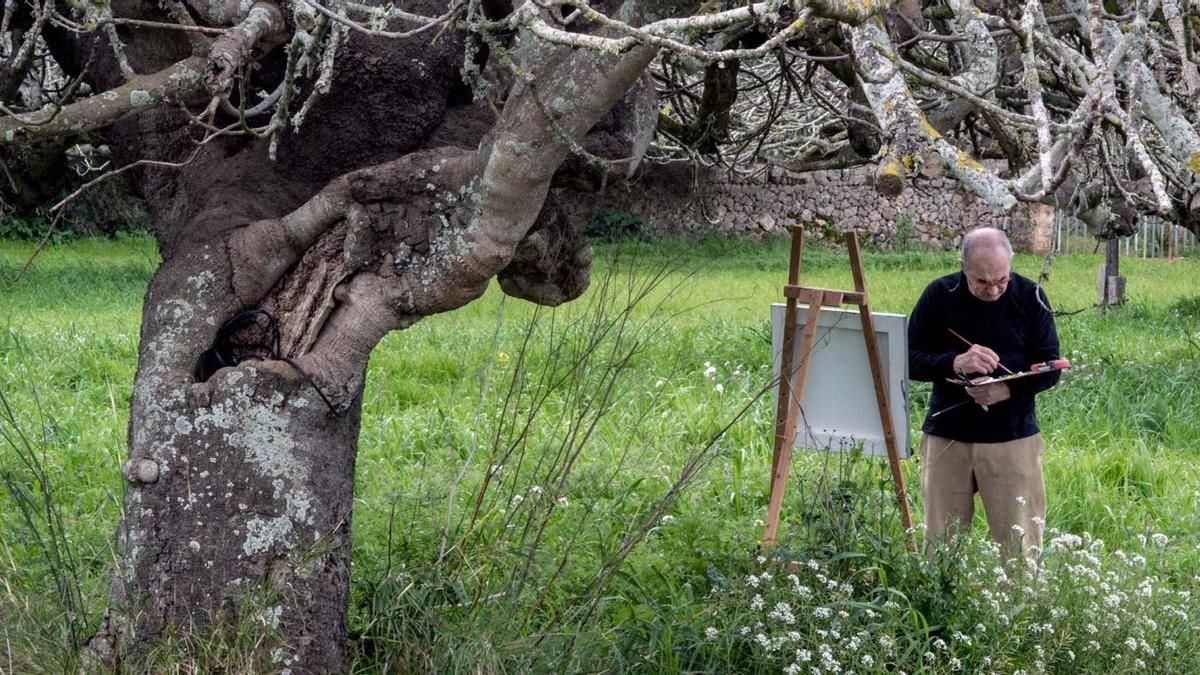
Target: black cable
[{"x": 225, "y": 353}]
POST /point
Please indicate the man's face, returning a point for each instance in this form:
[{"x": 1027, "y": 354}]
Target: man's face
[{"x": 987, "y": 272}]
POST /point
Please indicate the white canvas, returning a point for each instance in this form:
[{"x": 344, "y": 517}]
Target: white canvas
[{"x": 839, "y": 411}]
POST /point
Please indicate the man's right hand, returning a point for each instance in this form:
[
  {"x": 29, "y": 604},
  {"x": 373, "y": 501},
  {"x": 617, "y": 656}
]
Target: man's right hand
[{"x": 977, "y": 359}]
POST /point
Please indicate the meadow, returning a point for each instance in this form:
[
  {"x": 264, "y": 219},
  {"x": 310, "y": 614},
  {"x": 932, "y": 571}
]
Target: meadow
[{"x": 582, "y": 489}]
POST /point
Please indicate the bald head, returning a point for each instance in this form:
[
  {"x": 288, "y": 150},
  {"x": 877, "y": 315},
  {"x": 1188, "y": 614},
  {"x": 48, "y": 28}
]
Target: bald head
[
  {"x": 987, "y": 262},
  {"x": 985, "y": 240}
]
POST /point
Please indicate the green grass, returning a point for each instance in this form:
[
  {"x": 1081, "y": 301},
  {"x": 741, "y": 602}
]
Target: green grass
[{"x": 1120, "y": 459}]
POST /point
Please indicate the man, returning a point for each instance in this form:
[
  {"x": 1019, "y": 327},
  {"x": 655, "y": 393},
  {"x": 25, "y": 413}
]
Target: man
[{"x": 983, "y": 439}]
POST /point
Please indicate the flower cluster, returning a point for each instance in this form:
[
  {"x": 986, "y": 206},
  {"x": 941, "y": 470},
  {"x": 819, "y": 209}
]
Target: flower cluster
[{"x": 1080, "y": 608}]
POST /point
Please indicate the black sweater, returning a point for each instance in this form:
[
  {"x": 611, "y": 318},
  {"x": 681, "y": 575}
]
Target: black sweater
[{"x": 1017, "y": 327}]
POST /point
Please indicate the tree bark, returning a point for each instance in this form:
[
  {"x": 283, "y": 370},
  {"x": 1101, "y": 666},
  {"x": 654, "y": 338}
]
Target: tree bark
[{"x": 240, "y": 488}]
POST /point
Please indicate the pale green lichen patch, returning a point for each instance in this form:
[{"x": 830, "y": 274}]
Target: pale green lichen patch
[
  {"x": 561, "y": 105},
  {"x": 139, "y": 98},
  {"x": 262, "y": 434},
  {"x": 262, "y": 534},
  {"x": 202, "y": 281},
  {"x": 184, "y": 78},
  {"x": 299, "y": 507}
]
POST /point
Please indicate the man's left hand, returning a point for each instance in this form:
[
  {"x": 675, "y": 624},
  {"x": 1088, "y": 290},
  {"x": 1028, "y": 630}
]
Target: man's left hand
[{"x": 989, "y": 394}]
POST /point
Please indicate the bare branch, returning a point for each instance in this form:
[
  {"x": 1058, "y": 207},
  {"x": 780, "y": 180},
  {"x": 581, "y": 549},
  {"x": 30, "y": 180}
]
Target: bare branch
[
  {"x": 649, "y": 35},
  {"x": 900, "y": 115},
  {"x": 180, "y": 83},
  {"x": 425, "y": 23}
]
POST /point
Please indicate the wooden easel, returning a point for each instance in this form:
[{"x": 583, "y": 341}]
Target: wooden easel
[{"x": 791, "y": 390}]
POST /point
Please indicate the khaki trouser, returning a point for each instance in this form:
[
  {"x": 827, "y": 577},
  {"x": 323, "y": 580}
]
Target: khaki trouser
[{"x": 1008, "y": 477}]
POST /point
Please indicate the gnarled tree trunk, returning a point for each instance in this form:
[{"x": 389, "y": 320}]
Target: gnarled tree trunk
[
  {"x": 240, "y": 487},
  {"x": 241, "y": 469}
]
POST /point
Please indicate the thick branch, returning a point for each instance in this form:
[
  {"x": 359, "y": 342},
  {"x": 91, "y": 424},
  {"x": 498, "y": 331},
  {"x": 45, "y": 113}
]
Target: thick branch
[
  {"x": 13, "y": 71},
  {"x": 1033, "y": 88},
  {"x": 900, "y": 115},
  {"x": 981, "y": 57},
  {"x": 1191, "y": 78},
  {"x": 180, "y": 83},
  {"x": 262, "y": 252},
  {"x": 263, "y": 26},
  {"x": 1177, "y": 132}
]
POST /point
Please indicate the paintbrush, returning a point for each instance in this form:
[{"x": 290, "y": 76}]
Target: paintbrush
[{"x": 972, "y": 344}]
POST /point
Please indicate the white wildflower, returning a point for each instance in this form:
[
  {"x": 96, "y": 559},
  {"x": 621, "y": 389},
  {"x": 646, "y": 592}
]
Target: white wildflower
[
  {"x": 783, "y": 612},
  {"x": 720, "y": 388},
  {"x": 711, "y": 633},
  {"x": 563, "y": 502},
  {"x": 756, "y": 602},
  {"x": 1021, "y": 500},
  {"x": 667, "y": 518},
  {"x": 1160, "y": 539}
]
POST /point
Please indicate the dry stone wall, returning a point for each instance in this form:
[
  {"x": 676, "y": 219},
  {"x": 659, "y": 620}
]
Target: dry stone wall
[{"x": 676, "y": 199}]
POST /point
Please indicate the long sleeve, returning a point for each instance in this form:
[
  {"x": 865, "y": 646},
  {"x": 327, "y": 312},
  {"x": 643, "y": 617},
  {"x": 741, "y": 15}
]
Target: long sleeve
[
  {"x": 927, "y": 362},
  {"x": 1043, "y": 346}
]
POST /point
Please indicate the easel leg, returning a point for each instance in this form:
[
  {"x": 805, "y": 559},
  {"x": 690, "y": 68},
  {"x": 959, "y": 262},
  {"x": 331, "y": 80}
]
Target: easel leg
[
  {"x": 791, "y": 393},
  {"x": 880, "y": 382}
]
